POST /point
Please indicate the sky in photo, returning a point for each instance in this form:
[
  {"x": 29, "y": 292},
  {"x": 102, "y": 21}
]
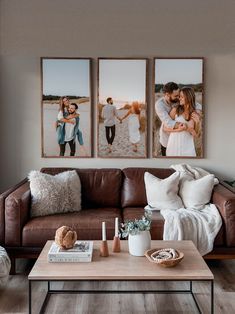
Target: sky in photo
[
  {"x": 123, "y": 80},
  {"x": 66, "y": 77},
  {"x": 184, "y": 71}
]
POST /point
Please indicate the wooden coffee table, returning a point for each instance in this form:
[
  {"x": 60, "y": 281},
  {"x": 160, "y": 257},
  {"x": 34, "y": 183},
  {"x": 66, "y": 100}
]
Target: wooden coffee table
[{"x": 123, "y": 267}]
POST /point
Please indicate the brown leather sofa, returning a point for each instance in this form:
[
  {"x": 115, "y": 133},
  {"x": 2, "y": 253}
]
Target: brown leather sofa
[{"x": 106, "y": 194}]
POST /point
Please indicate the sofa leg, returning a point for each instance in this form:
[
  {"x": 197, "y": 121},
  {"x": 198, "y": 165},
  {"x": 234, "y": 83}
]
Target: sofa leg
[{"x": 13, "y": 266}]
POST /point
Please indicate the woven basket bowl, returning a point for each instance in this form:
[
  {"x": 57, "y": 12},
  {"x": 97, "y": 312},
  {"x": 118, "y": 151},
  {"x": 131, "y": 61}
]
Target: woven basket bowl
[{"x": 165, "y": 263}]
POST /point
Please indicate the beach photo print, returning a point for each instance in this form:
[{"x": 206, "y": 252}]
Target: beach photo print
[
  {"x": 178, "y": 108},
  {"x": 122, "y": 108},
  {"x": 66, "y": 107}
]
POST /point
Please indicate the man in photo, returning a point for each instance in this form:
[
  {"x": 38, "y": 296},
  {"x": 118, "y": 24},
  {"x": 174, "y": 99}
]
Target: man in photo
[
  {"x": 110, "y": 114},
  {"x": 163, "y": 107}
]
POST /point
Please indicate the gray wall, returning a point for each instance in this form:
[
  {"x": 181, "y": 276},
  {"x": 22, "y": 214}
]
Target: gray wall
[{"x": 110, "y": 28}]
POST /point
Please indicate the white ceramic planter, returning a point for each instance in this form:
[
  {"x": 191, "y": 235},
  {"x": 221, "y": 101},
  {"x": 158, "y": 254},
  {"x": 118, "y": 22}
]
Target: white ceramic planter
[{"x": 139, "y": 243}]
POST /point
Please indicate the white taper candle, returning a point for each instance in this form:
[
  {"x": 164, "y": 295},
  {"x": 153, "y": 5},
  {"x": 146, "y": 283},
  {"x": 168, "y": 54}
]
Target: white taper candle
[
  {"x": 103, "y": 231},
  {"x": 116, "y": 227}
]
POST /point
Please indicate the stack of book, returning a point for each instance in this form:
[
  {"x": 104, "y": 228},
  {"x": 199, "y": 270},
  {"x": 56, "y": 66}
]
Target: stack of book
[{"x": 81, "y": 252}]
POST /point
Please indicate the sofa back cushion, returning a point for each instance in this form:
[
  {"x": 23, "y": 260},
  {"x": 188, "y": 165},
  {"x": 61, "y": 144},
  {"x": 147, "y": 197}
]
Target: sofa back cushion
[
  {"x": 100, "y": 187},
  {"x": 133, "y": 191}
]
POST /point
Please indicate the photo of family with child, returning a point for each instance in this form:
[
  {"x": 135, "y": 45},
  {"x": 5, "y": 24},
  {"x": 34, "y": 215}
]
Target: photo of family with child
[
  {"x": 66, "y": 108},
  {"x": 178, "y": 112},
  {"x": 122, "y": 108}
]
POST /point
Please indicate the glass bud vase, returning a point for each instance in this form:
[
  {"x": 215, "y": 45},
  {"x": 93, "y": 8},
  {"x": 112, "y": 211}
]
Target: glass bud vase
[{"x": 139, "y": 243}]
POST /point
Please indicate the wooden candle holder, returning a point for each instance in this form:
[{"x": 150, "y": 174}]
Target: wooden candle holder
[
  {"x": 116, "y": 245},
  {"x": 104, "y": 250}
]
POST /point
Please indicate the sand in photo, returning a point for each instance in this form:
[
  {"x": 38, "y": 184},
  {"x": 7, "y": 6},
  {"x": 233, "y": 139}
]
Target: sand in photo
[{"x": 121, "y": 142}]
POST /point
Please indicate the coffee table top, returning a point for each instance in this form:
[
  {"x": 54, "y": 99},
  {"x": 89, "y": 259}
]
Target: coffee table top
[{"x": 123, "y": 266}]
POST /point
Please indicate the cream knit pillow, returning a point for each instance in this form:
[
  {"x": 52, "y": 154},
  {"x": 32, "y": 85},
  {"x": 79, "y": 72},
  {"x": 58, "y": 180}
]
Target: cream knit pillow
[{"x": 54, "y": 194}]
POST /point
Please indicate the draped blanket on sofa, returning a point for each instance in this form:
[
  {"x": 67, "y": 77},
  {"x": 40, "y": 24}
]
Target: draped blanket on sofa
[{"x": 199, "y": 225}]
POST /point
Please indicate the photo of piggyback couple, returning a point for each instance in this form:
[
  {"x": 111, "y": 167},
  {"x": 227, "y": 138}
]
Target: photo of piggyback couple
[{"x": 66, "y": 127}]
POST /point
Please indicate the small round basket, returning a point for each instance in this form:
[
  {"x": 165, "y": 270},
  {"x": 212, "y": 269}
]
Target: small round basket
[{"x": 167, "y": 262}]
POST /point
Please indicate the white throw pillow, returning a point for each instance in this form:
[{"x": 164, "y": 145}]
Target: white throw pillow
[
  {"x": 54, "y": 194},
  {"x": 162, "y": 193},
  {"x": 195, "y": 194}
]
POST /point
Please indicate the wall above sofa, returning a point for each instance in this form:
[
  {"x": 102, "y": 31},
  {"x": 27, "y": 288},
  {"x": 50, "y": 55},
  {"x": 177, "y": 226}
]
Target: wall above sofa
[{"x": 31, "y": 29}]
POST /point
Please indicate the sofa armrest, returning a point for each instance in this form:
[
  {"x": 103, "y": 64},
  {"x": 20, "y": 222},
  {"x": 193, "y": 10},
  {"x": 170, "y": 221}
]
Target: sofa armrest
[
  {"x": 17, "y": 207},
  {"x": 224, "y": 200},
  {"x": 3, "y": 197}
]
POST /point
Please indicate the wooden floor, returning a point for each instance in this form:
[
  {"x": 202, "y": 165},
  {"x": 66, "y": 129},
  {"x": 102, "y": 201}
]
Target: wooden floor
[{"x": 14, "y": 296}]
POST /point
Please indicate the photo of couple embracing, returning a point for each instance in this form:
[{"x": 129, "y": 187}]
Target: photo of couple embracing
[{"x": 178, "y": 114}]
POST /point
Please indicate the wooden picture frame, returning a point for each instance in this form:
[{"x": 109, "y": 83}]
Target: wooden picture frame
[
  {"x": 66, "y": 80},
  {"x": 124, "y": 81},
  {"x": 169, "y": 141}
]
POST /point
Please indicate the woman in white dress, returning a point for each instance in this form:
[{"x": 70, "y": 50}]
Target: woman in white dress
[
  {"x": 181, "y": 141},
  {"x": 133, "y": 125}
]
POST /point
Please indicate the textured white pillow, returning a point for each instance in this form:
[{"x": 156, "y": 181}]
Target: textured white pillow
[
  {"x": 196, "y": 194},
  {"x": 162, "y": 193},
  {"x": 54, "y": 194}
]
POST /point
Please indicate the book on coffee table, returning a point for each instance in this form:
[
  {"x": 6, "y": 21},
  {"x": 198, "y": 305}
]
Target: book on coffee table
[{"x": 81, "y": 252}]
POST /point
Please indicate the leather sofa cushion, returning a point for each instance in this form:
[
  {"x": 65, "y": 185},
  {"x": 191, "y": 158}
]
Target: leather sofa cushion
[
  {"x": 130, "y": 213},
  {"x": 133, "y": 192},
  {"x": 157, "y": 226},
  {"x": 100, "y": 187},
  {"x": 87, "y": 223}
]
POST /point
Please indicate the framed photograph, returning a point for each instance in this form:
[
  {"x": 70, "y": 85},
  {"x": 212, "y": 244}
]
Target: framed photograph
[
  {"x": 122, "y": 108},
  {"x": 179, "y": 106},
  {"x": 66, "y": 107}
]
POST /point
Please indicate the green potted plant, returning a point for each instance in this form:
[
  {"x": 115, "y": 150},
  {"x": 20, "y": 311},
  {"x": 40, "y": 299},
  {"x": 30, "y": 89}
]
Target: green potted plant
[{"x": 137, "y": 231}]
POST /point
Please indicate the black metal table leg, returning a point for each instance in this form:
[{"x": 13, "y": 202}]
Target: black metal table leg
[
  {"x": 30, "y": 301},
  {"x": 194, "y": 298},
  {"x": 212, "y": 296},
  {"x": 191, "y": 286},
  {"x": 47, "y": 297}
]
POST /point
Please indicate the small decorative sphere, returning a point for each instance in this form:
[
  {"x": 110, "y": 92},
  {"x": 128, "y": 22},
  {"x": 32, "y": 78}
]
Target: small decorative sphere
[{"x": 65, "y": 237}]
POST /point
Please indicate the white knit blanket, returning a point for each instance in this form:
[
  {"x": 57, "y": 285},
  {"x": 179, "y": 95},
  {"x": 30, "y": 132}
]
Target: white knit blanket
[
  {"x": 200, "y": 226},
  {"x": 5, "y": 265}
]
